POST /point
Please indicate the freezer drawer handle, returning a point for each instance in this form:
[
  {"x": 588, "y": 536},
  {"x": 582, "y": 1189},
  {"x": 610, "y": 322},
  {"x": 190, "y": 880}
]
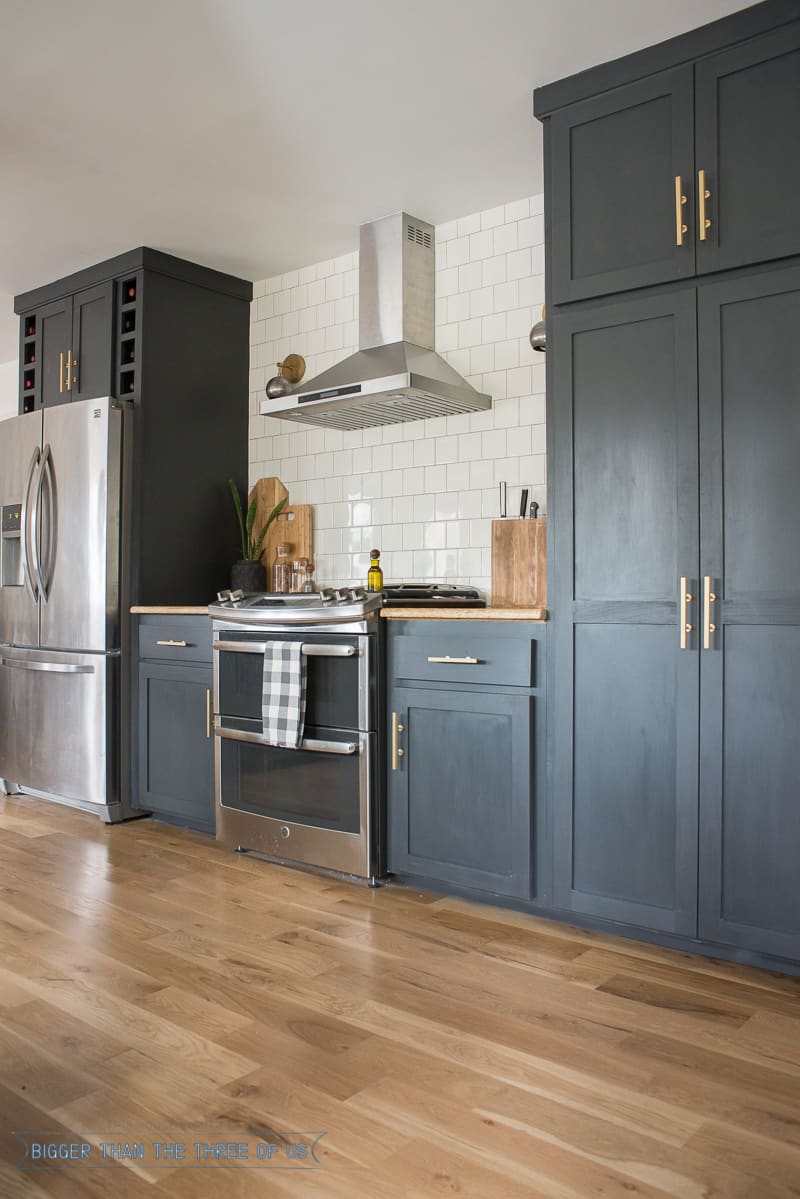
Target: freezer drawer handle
[
  {"x": 309, "y": 650},
  {"x": 319, "y": 747},
  {"x": 49, "y": 667}
]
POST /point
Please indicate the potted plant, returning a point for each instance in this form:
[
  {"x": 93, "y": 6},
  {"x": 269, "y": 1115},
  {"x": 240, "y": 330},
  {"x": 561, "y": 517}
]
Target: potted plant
[{"x": 249, "y": 574}]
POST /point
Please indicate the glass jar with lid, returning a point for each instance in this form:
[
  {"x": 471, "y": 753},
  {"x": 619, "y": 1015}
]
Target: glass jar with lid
[
  {"x": 281, "y": 581},
  {"x": 302, "y": 575}
]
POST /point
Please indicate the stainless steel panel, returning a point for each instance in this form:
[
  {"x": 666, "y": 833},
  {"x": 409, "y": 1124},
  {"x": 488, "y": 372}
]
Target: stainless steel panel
[
  {"x": 80, "y": 526},
  {"x": 56, "y": 711},
  {"x": 20, "y": 443},
  {"x": 396, "y": 282},
  {"x": 286, "y": 841}
]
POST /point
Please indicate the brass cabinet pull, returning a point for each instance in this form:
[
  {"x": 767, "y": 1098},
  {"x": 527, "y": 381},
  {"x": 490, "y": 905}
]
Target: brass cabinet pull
[
  {"x": 208, "y": 713},
  {"x": 680, "y": 200},
  {"x": 703, "y": 194},
  {"x": 397, "y": 752},
  {"x": 456, "y": 661},
  {"x": 61, "y": 373},
  {"x": 68, "y": 378},
  {"x": 709, "y": 598},
  {"x": 179, "y": 644},
  {"x": 686, "y": 599}
]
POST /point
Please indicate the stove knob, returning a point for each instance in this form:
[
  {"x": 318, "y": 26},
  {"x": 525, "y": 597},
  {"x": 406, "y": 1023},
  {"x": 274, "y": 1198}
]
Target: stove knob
[
  {"x": 327, "y": 595},
  {"x": 341, "y": 595},
  {"x": 358, "y": 593}
]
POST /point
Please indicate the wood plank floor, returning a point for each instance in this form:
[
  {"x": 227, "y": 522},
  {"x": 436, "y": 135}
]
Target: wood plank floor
[{"x": 152, "y": 983}]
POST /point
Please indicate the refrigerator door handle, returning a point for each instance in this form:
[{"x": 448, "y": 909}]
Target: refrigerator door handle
[
  {"x": 52, "y": 520},
  {"x": 49, "y": 667},
  {"x": 27, "y": 534},
  {"x": 36, "y": 530}
]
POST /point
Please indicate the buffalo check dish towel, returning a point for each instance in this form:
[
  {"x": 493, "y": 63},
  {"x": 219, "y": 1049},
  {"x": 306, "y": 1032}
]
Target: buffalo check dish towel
[{"x": 283, "y": 699}]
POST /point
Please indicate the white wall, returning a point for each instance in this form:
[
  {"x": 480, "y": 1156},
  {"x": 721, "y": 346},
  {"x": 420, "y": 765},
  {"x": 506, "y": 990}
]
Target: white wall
[
  {"x": 9, "y": 389},
  {"x": 423, "y": 492}
]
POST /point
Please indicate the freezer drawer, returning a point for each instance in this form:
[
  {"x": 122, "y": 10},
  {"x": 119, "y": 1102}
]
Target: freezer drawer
[{"x": 59, "y": 721}]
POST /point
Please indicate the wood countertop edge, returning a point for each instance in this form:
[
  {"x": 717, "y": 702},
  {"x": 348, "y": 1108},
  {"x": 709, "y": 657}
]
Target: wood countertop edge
[
  {"x": 464, "y": 613},
  {"x": 178, "y": 610}
]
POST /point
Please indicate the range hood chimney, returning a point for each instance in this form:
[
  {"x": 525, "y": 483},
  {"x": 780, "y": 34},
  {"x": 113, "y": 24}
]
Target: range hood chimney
[{"x": 396, "y": 375}]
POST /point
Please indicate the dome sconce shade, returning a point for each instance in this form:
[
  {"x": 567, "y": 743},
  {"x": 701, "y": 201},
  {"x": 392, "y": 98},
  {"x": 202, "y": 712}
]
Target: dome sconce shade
[
  {"x": 538, "y": 335},
  {"x": 290, "y": 372}
]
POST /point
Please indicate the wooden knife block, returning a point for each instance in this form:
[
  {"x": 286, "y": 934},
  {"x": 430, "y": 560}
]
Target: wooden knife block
[{"x": 519, "y": 563}]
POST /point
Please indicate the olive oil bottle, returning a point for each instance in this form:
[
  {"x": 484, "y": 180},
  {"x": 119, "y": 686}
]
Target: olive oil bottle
[{"x": 375, "y": 574}]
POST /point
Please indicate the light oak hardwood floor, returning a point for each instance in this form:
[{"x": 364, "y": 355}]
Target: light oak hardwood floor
[{"x": 152, "y": 983}]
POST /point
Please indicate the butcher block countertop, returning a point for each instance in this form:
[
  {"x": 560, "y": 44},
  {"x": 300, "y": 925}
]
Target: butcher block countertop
[
  {"x": 432, "y": 613},
  {"x": 180, "y": 610}
]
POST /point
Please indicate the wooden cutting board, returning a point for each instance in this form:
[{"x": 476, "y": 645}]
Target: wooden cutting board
[
  {"x": 519, "y": 563},
  {"x": 293, "y": 526}
]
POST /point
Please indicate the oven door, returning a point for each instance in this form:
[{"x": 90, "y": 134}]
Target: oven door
[
  {"x": 309, "y": 805},
  {"x": 340, "y": 693}
]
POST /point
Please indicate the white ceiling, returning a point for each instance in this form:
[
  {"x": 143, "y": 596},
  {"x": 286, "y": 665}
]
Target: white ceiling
[{"x": 256, "y": 135}]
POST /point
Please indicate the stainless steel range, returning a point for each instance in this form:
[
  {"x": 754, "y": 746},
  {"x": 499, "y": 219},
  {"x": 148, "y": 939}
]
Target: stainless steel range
[{"x": 320, "y": 804}]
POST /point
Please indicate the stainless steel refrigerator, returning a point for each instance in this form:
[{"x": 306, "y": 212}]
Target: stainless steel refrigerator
[{"x": 62, "y": 592}]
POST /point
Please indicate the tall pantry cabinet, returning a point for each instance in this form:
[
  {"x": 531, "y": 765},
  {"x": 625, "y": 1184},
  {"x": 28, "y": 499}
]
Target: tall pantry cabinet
[{"x": 672, "y": 179}]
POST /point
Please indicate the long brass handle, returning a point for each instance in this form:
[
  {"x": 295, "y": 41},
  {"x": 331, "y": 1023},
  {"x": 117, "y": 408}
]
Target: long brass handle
[
  {"x": 680, "y": 200},
  {"x": 709, "y": 598},
  {"x": 397, "y": 752},
  {"x": 61, "y": 373},
  {"x": 703, "y": 194},
  {"x": 208, "y": 713},
  {"x": 68, "y": 379},
  {"x": 180, "y": 644},
  {"x": 686, "y": 599},
  {"x": 456, "y": 661}
]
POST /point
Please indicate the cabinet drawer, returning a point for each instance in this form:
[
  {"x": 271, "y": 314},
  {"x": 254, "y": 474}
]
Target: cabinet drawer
[
  {"x": 176, "y": 639},
  {"x": 466, "y": 657}
]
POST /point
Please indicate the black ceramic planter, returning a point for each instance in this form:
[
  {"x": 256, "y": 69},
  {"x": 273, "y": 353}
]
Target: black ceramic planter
[{"x": 248, "y": 577}]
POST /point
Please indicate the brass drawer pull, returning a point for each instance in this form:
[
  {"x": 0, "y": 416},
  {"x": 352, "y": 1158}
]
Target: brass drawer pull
[
  {"x": 177, "y": 644},
  {"x": 703, "y": 194},
  {"x": 397, "y": 752},
  {"x": 680, "y": 200},
  {"x": 456, "y": 661}
]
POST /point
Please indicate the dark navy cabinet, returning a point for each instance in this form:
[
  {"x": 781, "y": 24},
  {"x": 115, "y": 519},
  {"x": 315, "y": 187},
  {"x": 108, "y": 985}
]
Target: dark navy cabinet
[
  {"x": 693, "y": 169},
  {"x": 464, "y": 708},
  {"x": 674, "y": 440},
  {"x": 174, "y": 733}
]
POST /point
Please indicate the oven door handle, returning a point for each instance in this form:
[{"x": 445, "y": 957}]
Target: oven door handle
[
  {"x": 314, "y": 746},
  {"x": 308, "y": 649}
]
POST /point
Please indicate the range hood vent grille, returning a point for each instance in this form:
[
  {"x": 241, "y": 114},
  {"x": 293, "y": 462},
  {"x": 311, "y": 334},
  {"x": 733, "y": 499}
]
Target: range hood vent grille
[
  {"x": 370, "y": 411},
  {"x": 420, "y": 236}
]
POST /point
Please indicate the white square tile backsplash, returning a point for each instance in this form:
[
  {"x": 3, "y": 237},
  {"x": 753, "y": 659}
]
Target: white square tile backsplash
[{"x": 424, "y": 492}]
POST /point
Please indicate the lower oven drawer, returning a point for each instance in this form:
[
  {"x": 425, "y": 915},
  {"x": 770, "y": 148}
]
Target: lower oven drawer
[{"x": 323, "y": 784}]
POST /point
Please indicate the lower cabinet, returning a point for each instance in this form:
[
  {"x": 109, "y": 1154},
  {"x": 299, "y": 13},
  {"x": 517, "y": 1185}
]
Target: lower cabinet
[
  {"x": 175, "y": 759},
  {"x": 461, "y": 758}
]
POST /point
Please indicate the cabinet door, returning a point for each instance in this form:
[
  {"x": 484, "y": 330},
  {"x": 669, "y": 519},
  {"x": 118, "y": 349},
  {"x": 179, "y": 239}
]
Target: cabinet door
[
  {"x": 460, "y": 798},
  {"x": 748, "y": 143},
  {"x": 614, "y": 162},
  {"x": 55, "y": 323},
  {"x": 625, "y": 529},
  {"x": 750, "y": 675},
  {"x": 176, "y": 759},
  {"x": 92, "y": 341}
]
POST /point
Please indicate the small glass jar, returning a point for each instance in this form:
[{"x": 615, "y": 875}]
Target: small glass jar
[
  {"x": 301, "y": 575},
  {"x": 281, "y": 570}
]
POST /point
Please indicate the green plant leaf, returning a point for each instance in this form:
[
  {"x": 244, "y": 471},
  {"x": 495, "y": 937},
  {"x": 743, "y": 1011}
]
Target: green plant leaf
[
  {"x": 251, "y": 514},
  {"x": 237, "y": 502}
]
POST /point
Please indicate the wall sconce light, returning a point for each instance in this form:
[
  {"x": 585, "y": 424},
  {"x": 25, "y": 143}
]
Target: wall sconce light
[
  {"x": 290, "y": 372},
  {"x": 538, "y": 335}
]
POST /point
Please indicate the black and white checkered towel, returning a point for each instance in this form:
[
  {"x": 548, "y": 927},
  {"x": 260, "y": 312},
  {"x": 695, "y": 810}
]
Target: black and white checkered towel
[{"x": 283, "y": 700}]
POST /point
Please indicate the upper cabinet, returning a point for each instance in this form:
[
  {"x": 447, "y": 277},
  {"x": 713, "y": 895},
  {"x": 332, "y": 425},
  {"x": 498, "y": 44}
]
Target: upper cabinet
[
  {"x": 747, "y": 119},
  {"x": 685, "y": 172},
  {"x": 67, "y": 348},
  {"x": 614, "y": 162}
]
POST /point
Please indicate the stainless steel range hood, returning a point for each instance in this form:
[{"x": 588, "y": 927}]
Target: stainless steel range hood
[{"x": 396, "y": 375}]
